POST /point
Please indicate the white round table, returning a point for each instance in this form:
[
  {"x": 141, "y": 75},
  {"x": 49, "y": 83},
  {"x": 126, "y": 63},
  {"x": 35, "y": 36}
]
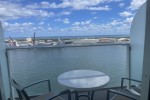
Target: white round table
[{"x": 83, "y": 79}]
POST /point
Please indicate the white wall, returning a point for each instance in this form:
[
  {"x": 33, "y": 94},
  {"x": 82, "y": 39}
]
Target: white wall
[
  {"x": 4, "y": 81},
  {"x": 146, "y": 63},
  {"x": 140, "y": 49},
  {"x": 137, "y": 43}
]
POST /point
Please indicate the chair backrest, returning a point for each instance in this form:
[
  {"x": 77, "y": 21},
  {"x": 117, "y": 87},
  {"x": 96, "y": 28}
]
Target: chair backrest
[
  {"x": 134, "y": 87},
  {"x": 20, "y": 91}
]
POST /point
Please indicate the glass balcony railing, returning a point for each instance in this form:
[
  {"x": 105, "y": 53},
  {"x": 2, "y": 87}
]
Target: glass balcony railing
[{"x": 29, "y": 65}]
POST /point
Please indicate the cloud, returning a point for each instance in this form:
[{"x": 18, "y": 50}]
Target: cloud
[
  {"x": 41, "y": 23},
  {"x": 121, "y": 4},
  {"x": 76, "y": 4},
  {"x": 95, "y": 17},
  {"x": 65, "y": 13},
  {"x": 116, "y": 26},
  {"x": 128, "y": 20},
  {"x": 65, "y": 20},
  {"x": 42, "y": 10},
  {"x": 45, "y": 4},
  {"x": 82, "y": 23},
  {"x": 118, "y": 22},
  {"x": 15, "y": 9},
  {"x": 78, "y": 28},
  {"x": 100, "y": 29},
  {"x": 18, "y": 28},
  {"x": 27, "y": 24},
  {"x": 58, "y": 20},
  {"x": 99, "y": 8},
  {"x": 10, "y": 10},
  {"x": 125, "y": 14},
  {"x": 135, "y": 4},
  {"x": 93, "y": 13},
  {"x": 25, "y": 29},
  {"x": 115, "y": 22},
  {"x": 76, "y": 23}
]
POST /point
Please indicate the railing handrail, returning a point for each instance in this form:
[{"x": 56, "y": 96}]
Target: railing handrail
[{"x": 70, "y": 45}]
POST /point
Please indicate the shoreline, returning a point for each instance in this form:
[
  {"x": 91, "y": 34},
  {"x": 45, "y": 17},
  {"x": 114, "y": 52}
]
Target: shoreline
[{"x": 65, "y": 45}]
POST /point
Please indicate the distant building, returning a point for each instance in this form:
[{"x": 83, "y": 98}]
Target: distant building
[
  {"x": 29, "y": 39},
  {"x": 86, "y": 41},
  {"x": 123, "y": 40},
  {"x": 108, "y": 40}
]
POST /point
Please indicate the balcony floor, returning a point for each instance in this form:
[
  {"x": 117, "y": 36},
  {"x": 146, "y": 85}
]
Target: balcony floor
[{"x": 99, "y": 95}]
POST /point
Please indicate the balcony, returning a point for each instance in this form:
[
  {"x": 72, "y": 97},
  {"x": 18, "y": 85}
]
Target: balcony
[
  {"x": 33, "y": 62},
  {"x": 28, "y": 65}
]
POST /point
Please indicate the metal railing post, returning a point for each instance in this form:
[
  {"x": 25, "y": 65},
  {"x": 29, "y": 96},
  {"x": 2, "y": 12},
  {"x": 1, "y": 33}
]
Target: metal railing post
[{"x": 128, "y": 66}]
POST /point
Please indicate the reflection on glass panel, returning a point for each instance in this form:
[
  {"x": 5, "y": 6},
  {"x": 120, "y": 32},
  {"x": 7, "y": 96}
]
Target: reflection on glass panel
[{"x": 30, "y": 65}]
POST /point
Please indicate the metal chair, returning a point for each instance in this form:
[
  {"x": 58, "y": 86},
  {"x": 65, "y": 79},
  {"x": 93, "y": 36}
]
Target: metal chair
[
  {"x": 132, "y": 93},
  {"x": 49, "y": 96}
]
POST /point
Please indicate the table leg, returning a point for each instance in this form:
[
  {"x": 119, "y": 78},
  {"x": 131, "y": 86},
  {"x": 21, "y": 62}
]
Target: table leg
[{"x": 90, "y": 95}]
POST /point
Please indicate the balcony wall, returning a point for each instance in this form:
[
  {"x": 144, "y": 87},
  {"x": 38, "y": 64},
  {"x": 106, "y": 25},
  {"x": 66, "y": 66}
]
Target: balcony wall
[{"x": 33, "y": 64}]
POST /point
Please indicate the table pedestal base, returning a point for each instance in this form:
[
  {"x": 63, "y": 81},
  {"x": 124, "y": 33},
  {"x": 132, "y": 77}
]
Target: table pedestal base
[{"x": 89, "y": 95}]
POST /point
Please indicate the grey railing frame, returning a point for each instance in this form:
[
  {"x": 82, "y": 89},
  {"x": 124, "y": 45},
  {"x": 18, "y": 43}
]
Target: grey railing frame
[
  {"x": 129, "y": 79},
  {"x": 119, "y": 93},
  {"x": 59, "y": 46},
  {"x": 46, "y": 80},
  {"x": 33, "y": 47}
]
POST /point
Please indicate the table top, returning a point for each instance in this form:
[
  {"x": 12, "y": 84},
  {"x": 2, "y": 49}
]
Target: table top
[{"x": 83, "y": 79}]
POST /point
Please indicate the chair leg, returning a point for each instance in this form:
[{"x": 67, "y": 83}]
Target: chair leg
[
  {"x": 76, "y": 95},
  {"x": 108, "y": 94},
  {"x": 89, "y": 95},
  {"x": 92, "y": 95}
]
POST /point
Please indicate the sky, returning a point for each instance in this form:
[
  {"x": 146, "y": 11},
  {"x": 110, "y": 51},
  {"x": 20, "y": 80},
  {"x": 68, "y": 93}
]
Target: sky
[{"x": 23, "y": 18}]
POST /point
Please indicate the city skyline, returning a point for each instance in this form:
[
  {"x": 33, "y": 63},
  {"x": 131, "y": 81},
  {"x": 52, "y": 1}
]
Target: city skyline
[{"x": 21, "y": 18}]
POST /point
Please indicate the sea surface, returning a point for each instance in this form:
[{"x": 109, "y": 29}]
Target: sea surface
[{"x": 31, "y": 65}]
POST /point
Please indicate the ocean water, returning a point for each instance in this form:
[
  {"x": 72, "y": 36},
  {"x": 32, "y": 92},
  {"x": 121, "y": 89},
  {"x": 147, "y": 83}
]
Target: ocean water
[{"x": 31, "y": 65}]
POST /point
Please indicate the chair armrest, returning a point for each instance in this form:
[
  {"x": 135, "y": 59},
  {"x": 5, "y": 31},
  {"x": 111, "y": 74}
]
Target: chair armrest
[
  {"x": 129, "y": 79},
  {"x": 46, "y": 80},
  {"x": 62, "y": 93},
  {"x": 119, "y": 93}
]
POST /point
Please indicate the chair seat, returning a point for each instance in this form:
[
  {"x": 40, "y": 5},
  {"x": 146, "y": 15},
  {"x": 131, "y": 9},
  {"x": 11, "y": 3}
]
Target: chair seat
[
  {"x": 46, "y": 97},
  {"x": 136, "y": 89},
  {"x": 128, "y": 93},
  {"x": 49, "y": 96}
]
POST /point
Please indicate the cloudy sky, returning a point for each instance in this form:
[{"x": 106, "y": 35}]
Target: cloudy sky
[{"x": 21, "y": 18}]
